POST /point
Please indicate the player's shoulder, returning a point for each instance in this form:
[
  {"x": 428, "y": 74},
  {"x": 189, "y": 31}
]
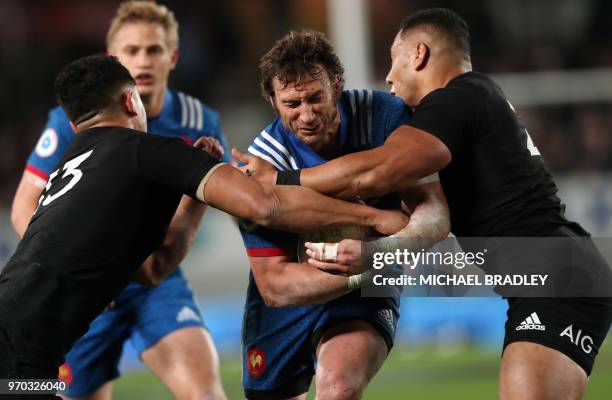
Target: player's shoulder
[
  {"x": 193, "y": 113},
  {"x": 357, "y": 101},
  {"x": 56, "y": 135}
]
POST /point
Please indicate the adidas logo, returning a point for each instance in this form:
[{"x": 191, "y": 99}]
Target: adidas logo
[
  {"x": 532, "y": 322},
  {"x": 187, "y": 314},
  {"x": 386, "y": 316}
]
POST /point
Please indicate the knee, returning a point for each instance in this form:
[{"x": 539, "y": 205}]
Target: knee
[{"x": 334, "y": 387}]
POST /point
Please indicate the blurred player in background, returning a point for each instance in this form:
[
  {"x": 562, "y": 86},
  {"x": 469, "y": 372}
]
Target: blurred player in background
[
  {"x": 497, "y": 186},
  {"x": 347, "y": 337},
  {"x": 163, "y": 323}
]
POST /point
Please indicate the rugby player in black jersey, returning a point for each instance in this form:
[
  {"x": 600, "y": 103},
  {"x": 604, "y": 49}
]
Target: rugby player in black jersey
[
  {"x": 496, "y": 184},
  {"x": 108, "y": 206}
]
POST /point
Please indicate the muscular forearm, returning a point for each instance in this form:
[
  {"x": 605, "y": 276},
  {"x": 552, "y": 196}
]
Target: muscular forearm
[
  {"x": 303, "y": 209},
  {"x": 289, "y": 208},
  {"x": 179, "y": 238},
  {"x": 294, "y": 284}
]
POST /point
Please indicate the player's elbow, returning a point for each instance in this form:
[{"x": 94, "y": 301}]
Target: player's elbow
[{"x": 272, "y": 297}]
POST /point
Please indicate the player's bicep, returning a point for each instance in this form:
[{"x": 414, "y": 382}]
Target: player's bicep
[{"x": 25, "y": 201}]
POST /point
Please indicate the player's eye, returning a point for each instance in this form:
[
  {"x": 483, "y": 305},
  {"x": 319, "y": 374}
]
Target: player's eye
[
  {"x": 154, "y": 50},
  {"x": 132, "y": 51},
  {"x": 292, "y": 104}
]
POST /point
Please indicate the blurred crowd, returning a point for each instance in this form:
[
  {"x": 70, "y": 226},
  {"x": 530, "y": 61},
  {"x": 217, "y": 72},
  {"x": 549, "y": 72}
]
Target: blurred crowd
[{"x": 221, "y": 42}]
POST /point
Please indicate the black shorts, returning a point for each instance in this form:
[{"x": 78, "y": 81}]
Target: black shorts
[{"x": 574, "y": 326}]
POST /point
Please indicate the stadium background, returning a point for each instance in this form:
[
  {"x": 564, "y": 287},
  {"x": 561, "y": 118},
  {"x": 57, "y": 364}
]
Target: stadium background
[{"x": 552, "y": 57}]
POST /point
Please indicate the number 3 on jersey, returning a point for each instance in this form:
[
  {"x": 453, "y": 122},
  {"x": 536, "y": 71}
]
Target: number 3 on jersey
[{"x": 72, "y": 169}]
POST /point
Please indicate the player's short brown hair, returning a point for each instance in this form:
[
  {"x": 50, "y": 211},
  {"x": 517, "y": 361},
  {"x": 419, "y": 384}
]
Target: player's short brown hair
[
  {"x": 298, "y": 54},
  {"x": 144, "y": 11}
]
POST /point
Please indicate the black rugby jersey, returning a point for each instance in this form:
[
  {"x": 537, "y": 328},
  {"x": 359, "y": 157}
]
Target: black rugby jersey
[
  {"x": 496, "y": 183},
  {"x": 104, "y": 211}
]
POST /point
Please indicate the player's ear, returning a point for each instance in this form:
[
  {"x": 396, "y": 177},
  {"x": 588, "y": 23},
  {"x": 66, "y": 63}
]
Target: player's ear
[
  {"x": 421, "y": 56},
  {"x": 174, "y": 58},
  {"x": 128, "y": 103}
]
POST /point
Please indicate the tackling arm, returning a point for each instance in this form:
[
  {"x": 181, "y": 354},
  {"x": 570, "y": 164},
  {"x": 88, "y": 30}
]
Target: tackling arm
[
  {"x": 406, "y": 156},
  {"x": 289, "y": 208}
]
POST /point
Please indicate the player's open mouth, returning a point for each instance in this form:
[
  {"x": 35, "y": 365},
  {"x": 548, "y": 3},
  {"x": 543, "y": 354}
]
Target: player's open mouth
[{"x": 144, "y": 79}]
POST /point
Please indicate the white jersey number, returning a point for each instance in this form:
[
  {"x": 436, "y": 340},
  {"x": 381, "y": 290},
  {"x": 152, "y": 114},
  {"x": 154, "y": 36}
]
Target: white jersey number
[{"x": 71, "y": 169}]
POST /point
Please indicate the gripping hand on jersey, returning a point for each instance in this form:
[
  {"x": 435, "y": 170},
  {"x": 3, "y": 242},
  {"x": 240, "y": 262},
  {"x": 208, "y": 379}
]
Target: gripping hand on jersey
[
  {"x": 258, "y": 168},
  {"x": 210, "y": 145}
]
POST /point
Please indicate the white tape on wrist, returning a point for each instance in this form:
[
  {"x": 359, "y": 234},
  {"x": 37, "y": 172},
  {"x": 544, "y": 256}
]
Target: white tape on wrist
[{"x": 360, "y": 280}]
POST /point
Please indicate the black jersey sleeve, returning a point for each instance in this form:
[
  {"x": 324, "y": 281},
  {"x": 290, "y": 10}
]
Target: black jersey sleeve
[
  {"x": 173, "y": 163},
  {"x": 451, "y": 114}
]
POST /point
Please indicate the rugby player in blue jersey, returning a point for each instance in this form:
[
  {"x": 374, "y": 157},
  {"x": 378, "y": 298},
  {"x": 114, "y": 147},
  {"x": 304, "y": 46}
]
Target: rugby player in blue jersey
[
  {"x": 299, "y": 321},
  {"x": 163, "y": 323}
]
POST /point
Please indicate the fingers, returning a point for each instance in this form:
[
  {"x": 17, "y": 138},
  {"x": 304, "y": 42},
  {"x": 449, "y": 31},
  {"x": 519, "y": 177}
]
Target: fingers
[
  {"x": 240, "y": 156},
  {"x": 322, "y": 251},
  {"x": 332, "y": 268},
  {"x": 209, "y": 145}
]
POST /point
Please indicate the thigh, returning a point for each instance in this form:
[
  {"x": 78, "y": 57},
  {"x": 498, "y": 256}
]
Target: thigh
[
  {"x": 531, "y": 371},
  {"x": 349, "y": 354},
  {"x": 551, "y": 345}
]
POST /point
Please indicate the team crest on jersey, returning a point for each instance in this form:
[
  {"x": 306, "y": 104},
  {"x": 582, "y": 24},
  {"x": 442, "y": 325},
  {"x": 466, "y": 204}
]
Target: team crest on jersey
[
  {"x": 65, "y": 374},
  {"x": 256, "y": 362},
  {"x": 47, "y": 144}
]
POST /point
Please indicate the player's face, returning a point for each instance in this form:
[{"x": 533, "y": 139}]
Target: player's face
[
  {"x": 142, "y": 47},
  {"x": 308, "y": 108},
  {"x": 403, "y": 76}
]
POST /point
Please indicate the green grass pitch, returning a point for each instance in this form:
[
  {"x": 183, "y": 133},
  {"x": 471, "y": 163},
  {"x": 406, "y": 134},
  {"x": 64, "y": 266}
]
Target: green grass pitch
[{"x": 409, "y": 373}]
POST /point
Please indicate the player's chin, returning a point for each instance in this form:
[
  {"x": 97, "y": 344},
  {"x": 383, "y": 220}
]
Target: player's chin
[{"x": 146, "y": 89}]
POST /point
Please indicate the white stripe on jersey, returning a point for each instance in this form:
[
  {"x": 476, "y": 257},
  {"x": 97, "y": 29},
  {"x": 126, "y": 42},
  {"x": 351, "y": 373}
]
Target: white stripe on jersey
[
  {"x": 258, "y": 153},
  {"x": 273, "y": 153},
  {"x": 199, "y": 116},
  {"x": 192, "y": 112},
  {"x": 184, "y": 109},
  {"x": 280, "y": 147}
]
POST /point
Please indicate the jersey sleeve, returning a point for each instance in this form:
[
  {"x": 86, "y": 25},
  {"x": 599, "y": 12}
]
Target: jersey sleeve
[
  {"x": 51, "y": 145},
  {"x": 271, "y": 145},
  {"x": 173, "y": 163},
  {"x": 389, "y": 112},
  {"x": 450, "y": 114}
]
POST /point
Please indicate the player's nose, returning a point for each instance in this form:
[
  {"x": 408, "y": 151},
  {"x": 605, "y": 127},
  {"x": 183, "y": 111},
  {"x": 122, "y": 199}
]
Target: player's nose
[{"x": 307, "y": 115}]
